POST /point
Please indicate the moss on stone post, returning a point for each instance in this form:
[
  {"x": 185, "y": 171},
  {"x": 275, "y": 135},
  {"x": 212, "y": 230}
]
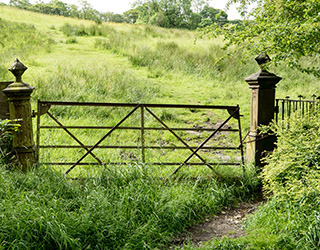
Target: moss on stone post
[
  {"x": 262, "y": 85},
  {"x": 18, "y": 94}
]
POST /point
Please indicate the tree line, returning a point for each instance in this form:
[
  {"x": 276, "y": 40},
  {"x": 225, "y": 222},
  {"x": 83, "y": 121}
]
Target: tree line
[{"x": 185, "y": 14}]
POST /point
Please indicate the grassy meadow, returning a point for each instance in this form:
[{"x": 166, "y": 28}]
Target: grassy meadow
[{"x": 133, "y": 206}]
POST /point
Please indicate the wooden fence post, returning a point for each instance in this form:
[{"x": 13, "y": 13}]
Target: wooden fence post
[
  {"x": 18, "y": 94},
  {"x": 262, "y": 85}
]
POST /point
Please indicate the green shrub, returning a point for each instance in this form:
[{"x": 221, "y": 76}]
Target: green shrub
[
  {"x": 292, "y": 171},
  {"x": 71, "y": 40},
  {"x": 7, "y": 128}
]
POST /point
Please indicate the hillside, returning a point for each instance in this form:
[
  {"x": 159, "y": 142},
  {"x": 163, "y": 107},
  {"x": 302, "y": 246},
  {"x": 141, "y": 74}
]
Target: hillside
[
  {"x": 136, "y": 206},
  {"x": 180, "y": 66}
]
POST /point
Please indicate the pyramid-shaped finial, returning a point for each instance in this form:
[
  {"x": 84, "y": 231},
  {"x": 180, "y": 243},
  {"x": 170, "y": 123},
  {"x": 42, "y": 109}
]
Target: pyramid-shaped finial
[
  {"x": 17, "y": 69},
  {"x": 262, "y": 59}
]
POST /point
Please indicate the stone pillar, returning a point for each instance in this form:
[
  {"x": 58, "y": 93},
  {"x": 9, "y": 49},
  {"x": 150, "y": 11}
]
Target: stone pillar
[
  {"x": 263, "y": 85},
  {"x": 18, "y": 94}
]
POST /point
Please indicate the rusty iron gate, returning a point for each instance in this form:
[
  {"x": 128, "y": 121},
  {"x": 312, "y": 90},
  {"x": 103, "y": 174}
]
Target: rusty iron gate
[
  {"x": 45, "y": 107},
  {"x": 285, "y": 108}
]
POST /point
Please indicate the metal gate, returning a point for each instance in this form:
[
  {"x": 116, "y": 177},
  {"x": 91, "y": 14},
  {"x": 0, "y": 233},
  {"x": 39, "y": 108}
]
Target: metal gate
[{"x": 47, "y": 108}]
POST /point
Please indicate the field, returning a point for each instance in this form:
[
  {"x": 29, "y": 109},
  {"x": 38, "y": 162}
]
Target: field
[{"x": 134, "y": 206}]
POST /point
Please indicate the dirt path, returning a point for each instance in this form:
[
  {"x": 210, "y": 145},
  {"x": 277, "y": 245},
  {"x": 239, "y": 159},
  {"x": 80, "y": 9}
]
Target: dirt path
[{"x": 227, "y": 223}]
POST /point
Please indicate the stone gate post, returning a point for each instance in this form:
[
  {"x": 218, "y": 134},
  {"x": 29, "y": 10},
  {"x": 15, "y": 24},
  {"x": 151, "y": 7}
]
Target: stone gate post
[
  {"x": 18, "y": 94},
  {"x": 262, "y": 85}
]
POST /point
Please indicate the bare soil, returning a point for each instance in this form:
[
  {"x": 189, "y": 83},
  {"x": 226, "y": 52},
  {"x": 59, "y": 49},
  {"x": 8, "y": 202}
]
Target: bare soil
[{"x": 227, "y": 223}]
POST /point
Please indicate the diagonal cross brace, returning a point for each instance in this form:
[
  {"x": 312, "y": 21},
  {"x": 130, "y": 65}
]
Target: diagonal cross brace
[
  {"x": 102, "y": 139},
  {"x": 179, "y": 138},
  {"x": 73, "y": 137},
  {"x": 206, "y": 140}
]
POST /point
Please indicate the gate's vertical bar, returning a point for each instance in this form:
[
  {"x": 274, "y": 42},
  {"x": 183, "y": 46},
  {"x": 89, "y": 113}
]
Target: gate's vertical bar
[
  {"x": 143, "y": 157},
  {"x": 241, "y": 143},
  {"x": 277, "y": 110},
  {"x": 289, "y": 108},
  {"x": 282, "y": 107},
  {"x": 38, "y": 133}
]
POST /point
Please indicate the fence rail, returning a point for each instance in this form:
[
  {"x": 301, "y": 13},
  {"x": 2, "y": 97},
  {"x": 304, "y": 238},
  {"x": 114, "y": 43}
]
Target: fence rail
[
  {"x": 233, "y": 112},
  {"x": 286, "y": 107}
]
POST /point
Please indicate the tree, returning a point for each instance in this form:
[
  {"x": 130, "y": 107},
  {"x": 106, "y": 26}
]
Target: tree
[
  {"x": 178, "y": 12},
  {"x": 22, "y": 4},
  {"x": 214, "y": 15},
  {"x": 111, "y": 17},
  {"x": 198, "y": 5},
  {"x": 131, "y": 15},
  {"x": 88, "y": 12},
  {"x": 289, "y": 30}
]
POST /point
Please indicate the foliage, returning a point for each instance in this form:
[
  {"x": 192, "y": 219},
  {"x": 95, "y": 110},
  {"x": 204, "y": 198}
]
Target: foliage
[
  {"x": 163, "y": 13},
  {"x": 211, "y": 15},
  {"x": 56, "y": 7},
  {"x": 293, "y": 168},
  {"x": 177, "y": 13},
  {"x": 287, "y": 30},
  {"x": 7, "y": 129}
]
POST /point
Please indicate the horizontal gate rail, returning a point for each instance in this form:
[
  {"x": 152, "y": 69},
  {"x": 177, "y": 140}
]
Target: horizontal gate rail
[
  {"x": 138, "y": 128},
  {"x": 151, "y": 163},
  {"x": 138, "y": 147},
  {"x": 44, "y": 106},
  {"x": 133, "y": 105}
]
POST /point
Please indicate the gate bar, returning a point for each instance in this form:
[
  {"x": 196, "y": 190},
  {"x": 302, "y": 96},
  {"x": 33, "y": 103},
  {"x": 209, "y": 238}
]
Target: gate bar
[
  {"x": 205, "y": 141},
  {"x": 104, "y": 137},
  {"x": 178, "y": 137},
  {"x": 149, "y": 105},
  {"x": 138, "y": 128},
  {"x": 75, "y": 138}
]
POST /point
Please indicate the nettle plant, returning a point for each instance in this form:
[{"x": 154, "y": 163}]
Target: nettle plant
[
  {"x": 292, "y": 170},
  {"x": 7, "y": 129}
]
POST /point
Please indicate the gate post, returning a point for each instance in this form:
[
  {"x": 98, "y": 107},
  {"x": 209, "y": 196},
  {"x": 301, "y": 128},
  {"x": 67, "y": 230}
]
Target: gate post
[
  {"x": 262, "y": 85},
  {"x": 18, "y": 94}
]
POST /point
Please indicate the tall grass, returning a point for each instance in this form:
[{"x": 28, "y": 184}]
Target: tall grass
[
  {"x": 19, "y": 40},
  {"x": 128, "y": 209}
]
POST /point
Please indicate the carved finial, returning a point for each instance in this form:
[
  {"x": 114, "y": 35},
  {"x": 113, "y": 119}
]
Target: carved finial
[
  {"x": 262, "y": 60},
  {"x": 17, "y": 69}
]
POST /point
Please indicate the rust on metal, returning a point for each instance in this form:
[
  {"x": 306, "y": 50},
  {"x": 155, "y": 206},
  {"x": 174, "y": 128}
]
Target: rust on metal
[
  {"x": 178, "y": 137},
  {"x": 233, "y": 111},
  {"x": 75, "y": 138},
  {"x": 140, "y": 147},
  {"x": 148, "y": 105},
  {"x": 44, "y": 108},
  {"x": 206, "y": 140},
  {"x": 139, "y": 128},
  {"x": 149, "y": 163},
  {"x": 102, "y": 139}
]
